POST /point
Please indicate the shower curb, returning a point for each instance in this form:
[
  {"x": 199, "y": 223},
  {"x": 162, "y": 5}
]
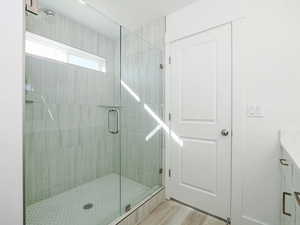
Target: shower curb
[{"x": 142, "y": 210}]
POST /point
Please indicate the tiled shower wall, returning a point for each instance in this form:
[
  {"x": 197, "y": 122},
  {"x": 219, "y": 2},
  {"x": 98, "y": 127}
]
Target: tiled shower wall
[{"x": 66, "y": 137}]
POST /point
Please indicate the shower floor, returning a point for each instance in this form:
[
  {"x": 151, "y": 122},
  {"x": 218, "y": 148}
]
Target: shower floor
[{"x": 67, "y": 208}]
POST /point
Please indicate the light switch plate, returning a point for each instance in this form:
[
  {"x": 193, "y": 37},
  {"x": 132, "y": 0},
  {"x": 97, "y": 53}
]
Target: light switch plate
[{"x": 255, "y": 111}]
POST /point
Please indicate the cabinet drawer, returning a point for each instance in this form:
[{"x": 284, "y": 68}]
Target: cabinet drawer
[
  {"x": 287, "y": 170},
  {"x": 288, "y": 211},
  {"x": 297, "y": 190},
  {"x": 296, "y": 179}
]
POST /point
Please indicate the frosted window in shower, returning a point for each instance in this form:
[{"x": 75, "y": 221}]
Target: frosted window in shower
[
  {"x": 87, "y": 63},
  {"x": 46, "y": 48},
  {"x": 41, "y": 49}
]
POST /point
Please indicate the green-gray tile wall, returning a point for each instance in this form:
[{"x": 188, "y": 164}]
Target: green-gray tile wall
[
  {"x": 72, "y": 146},
  {"x": 142, "y": 54}
]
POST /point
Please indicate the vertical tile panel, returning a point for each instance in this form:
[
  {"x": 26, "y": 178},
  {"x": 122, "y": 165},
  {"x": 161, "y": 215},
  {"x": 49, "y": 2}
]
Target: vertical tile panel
[{"x": 75, "y": 147}]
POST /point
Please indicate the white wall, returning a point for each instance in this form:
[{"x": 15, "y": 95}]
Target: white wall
[
  {"x": 11, "y": 100},
  {"x": 266, "y": 71}
]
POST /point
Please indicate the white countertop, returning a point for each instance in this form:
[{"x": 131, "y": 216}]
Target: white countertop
[{"x": 290, "y": 142}]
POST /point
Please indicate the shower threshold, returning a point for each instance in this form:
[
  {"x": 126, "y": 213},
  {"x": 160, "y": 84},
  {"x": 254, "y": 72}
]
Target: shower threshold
[{"x": 93, "y": 203}]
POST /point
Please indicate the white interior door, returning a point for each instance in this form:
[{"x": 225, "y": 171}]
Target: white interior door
[{"x": 200, "y": 103}]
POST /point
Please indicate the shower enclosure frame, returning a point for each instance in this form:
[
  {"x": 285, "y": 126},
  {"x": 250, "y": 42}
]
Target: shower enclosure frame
[{"x": 161, "y": 170}]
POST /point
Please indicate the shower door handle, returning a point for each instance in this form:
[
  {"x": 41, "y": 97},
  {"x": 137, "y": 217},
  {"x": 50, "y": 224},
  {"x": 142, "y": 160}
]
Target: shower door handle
[{"x": 115, "y": 129}]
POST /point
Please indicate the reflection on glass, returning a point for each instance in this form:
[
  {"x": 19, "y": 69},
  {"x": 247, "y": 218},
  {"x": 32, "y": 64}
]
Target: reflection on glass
[
  {"x": 174, "y": 136},
  {"x": 161, "y": 123},
  {"x": 130, "y": 91},
  {"x": 153, "y": 132}
]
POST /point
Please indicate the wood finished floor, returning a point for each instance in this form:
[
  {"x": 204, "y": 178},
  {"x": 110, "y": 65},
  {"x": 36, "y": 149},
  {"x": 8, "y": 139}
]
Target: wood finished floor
[{"x": 173, "y": 213}]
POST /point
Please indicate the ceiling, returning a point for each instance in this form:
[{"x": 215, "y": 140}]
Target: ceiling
[
  {"x": 133, "y": 13},
  {"x": 129, "y": 13}
]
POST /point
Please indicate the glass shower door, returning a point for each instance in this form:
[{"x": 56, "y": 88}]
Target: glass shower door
[
  {"x": 71, "y": 133},
  {"x": 142, "y": 123}
]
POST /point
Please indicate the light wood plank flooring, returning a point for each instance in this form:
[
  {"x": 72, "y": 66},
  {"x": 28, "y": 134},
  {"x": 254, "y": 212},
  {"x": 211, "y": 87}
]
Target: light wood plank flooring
[{"x": 173, "y": 213}]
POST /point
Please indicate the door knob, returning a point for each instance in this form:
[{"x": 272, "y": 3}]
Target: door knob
[{"x": 224, "y": 132}]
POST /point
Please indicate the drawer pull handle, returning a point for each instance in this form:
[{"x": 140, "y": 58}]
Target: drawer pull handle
[
  {"x": 284, "y": 194},
  {"x": 283, "y": 162},
  {"x": 297, "y": 194}
]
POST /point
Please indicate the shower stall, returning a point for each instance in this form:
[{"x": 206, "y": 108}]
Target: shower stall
[{"x": 93, "y": 127}]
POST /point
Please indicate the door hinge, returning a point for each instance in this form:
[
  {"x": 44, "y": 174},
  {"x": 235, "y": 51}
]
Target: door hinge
[
  {"x": 169, "y": 59},
  {"x": 161, "y": 66},
  {"x": 228, "y": 221},
  {"x": 127, "y": 208},
  {"x": 170, "y": 116},
  {"x": 32, "y": 6},
  {"x": 161, "y": 171},
  {"x": 170, "y": 173}
]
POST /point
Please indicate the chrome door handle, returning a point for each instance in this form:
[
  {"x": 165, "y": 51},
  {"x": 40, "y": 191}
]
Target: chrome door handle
[
  {"x": 284, "y": 194},
  {"x": 224, "y": 132},
  {"x": 116, "y": 128},
  {"x": 283, "y": 162}
]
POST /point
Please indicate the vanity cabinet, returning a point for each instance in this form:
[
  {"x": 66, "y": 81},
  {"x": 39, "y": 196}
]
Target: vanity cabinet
[
  {"x": 288, "y": 209},
  {"x": 297, "y": 194}
]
